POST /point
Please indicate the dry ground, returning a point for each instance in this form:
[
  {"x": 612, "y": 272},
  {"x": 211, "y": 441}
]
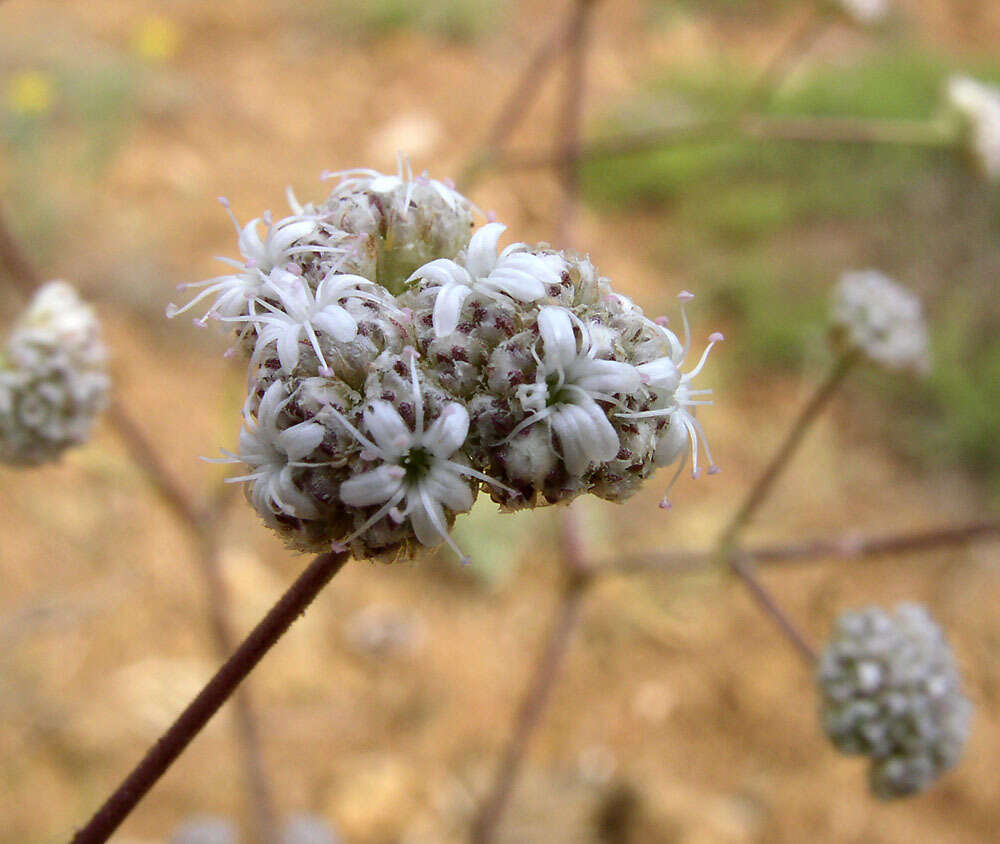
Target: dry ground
[{"x": 675, "y": 691}]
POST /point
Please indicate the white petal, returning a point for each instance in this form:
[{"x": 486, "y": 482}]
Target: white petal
[
  {"x": 603, "y": 376},
  {"x": 298, "y": 440},
  {"x": 374, "y": 487},
  {"x": 559, "y": 342},
  {"x": 387, "y": 428},
  {"x": 336, "y": 322},
  {"x": 288, "y": 347},
  {"x": 481, "y": 256},
  {"x": 422, "y": 523},
  {"x": 518, "y": 284},
  {"x": 448, "y": 308},
  {"x": 673, "y": 442},
  {"x": 250, "y": 244},
  {"x": 449, "y": 431},
  {"x": 284, "y": 234},
  {"x": 442, "y": 271},
  {"x": 541, "y": 267},
  {"x": 585, "y": 435},
  {"x": 660, "y": 374},
  {"x": 449, "y": 488}
]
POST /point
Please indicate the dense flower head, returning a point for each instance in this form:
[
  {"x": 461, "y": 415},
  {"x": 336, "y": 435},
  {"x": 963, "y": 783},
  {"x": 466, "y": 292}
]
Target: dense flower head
[
  {"x": 400, "y": 363},
  {"x": 882, "y": 319},
  {"x": 53, "y": 378},
  {"x": 978, "y": 107},
  {"x": 891, "y": 691}
]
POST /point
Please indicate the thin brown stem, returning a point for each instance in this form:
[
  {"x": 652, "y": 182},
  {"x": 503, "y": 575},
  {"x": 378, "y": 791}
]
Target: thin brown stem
[
  {"x": 850, "y": 547},
  {"x": 218, "y": 690},
  {"x": 745, "y": 571},
  {"x": 793, "y": 49},
  {"x": 568, "y": 141},
  {"x": 541, "y": 683},
  {"x": 201, "y": 525},
  {"x": 754, "y": 127},
  {"x": 519, "y": 100}
]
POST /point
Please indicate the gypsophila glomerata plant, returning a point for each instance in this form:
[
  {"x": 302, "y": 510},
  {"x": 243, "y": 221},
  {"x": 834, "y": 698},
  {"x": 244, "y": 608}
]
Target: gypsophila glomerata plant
[
  {"x": 873, "y": 315},
  {"x": 891, "y": 691},
  {"x": 977, "y": 107},
  {"x": 400, "y": 363},
  {"x": 53, "y": 378}
]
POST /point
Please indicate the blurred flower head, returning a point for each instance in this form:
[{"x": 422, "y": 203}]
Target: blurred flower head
[
  {"x": 891, "y": 691},
  {"x": 978, "y": 107},
  {"x": 867, "y": 12},
  {"x": 156, "y": 38},
  {"x": 53, "y": 378},
  {"x": 29, "y": 93},
  {"x": 876, "y": 316}
]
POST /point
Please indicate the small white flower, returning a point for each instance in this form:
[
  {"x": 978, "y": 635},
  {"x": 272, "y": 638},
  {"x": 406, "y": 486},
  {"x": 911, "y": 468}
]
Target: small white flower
[
  {"x": 303, "y": 312},
  {"x": 277, "y": 248},
  {"x": 514, "y": 273},
  {"x": 417, "y": 477},
  {"x": 979, "y": 106},
  {"x": 366, "y": 179},
  {"x": 676, "y": 400},
  {"x": 569, "y": 379},
  {"x": 881, "y": 318},
  {"x": 272, "y": 455}
]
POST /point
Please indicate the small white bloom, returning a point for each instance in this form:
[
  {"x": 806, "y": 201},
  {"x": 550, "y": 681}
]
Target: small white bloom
[
  {"x": 365, "y": 179},
  {"x": 272, "y": 455},
  {"x": 280, "y": 245},
  {"x": 979, "y": 106},
  {"x": 881, "y": 318},
  {"x": 417, "y": 477},
  {"x": 866, "y": 12},
  {"x": 303, "y": 312},
  {"x": 675, "y": 399},
  {"x": 569, "y": 380},
  {"x": 514, "y": 273}
]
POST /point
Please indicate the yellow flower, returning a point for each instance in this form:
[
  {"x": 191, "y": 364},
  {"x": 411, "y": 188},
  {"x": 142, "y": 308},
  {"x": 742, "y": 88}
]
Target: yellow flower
[
  {"x": 156, "y": 38},
  {"x": 29, "y": 93}
]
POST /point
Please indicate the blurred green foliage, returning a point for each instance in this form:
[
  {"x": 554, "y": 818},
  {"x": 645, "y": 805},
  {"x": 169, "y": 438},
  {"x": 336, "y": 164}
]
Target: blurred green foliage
[
  {"x": 454, "y": 20},
  {"x": 765, "y": 228}
]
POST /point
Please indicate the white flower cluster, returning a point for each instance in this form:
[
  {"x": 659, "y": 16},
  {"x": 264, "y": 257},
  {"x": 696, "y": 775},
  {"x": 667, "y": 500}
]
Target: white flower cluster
[
  {"x": 978, "y": 107},
  {"x": 891, "y": 691},
  {"x": 866, "y": 12},
  {"x": 400, "y": 363},
  {"x": 876, "y": 316},
  {"x": 53, "y": 378}
]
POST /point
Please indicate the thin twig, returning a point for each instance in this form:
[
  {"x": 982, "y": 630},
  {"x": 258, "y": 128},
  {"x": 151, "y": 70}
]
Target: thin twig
[
  {"x": 851, "y": 547},
  {"x": 540, "y": 685},
  {"x": 758, "y": 493},
  {"x": 218, "y": 690},
  {"x": 803, "y": 36},
  {"x": 568, "y": 143},
  {"x": 755, "y": 127},
  {"x": 20, "y": 270},
  {"x": 745, "y": 571}
]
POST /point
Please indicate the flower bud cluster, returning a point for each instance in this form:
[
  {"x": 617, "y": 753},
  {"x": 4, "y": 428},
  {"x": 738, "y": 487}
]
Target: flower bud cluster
[
  {"x": 400, "y": 364},
  {"x": 878, "y": 317},
  {"x": 891, "y": 691},
  {"x": 53, "y": 378},
  {"x": 978, "y": 107}
]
